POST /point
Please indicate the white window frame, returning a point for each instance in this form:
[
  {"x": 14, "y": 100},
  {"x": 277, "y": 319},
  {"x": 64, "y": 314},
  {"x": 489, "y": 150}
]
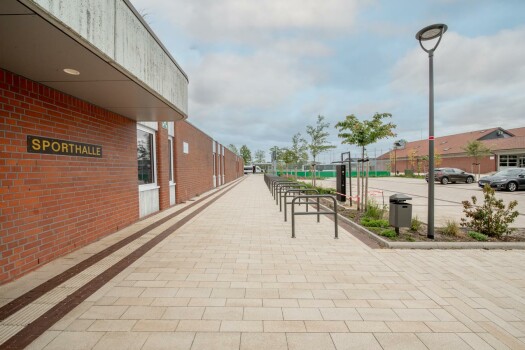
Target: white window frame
[
  {"x": 154, "y": 185},
  {"x": 172, "y": 168}
]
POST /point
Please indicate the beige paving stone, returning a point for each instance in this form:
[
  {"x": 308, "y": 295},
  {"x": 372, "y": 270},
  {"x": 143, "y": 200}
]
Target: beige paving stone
[
  {"x": 386, "y": 304},
  {"x": 207, "y": 302},
  {"x": 280, "y": 303},
  {"x": 264, "y": 341},
  {"x": 228, "y": 293},
  {"x": 295, "y": 294},
  {"x": 447, "y": 327},
  {"x": 372, "y": 314},
  {"x": 104, "y": 312},
  {"x": 169, "y": 341},
  {"x": 329, "y": 294},
  {"x": 143, "y": 313},
  {"x": 262, "y": 293},
  {"x": 443, "y": 341},
  {"x": 79, "y": 325},
  {"x": 150, "y": 284},
  {"x": 408, "y": 327},
  {"x": 352, "y": 303},
  {"x": 183, "y": 313},
  {"x": 315, "y": 303},
  {"x": 41, "y": 342},
  {"x": 284, "y": 326},
  {"x": 223, "y": 313},
  {"x": 194, "y": 292},
  {"x": 112, "y": 326},
  {"x": 170, "y": 302},
  {"x": 75, "y": 340},
  {"x": 476, "y": 342},
  {"x": 307, "y": 341},
  {"x": 244, "y": 302},
  {"x": 124, "y": 292},
  {"x": 355, "y": 341},
  {"x": 367, "y": 326},
  {"x": 159, "y": 293},
  {"x": 326, "y": 326},
  {"x": 198, "y": 326},
  {"x": 262, "y": 313},
  {"x": 399, "y": 341},
  {"x": 155, "y": 326},
  {"x": 218, "y": 341},
  {"x": 415, "y": 315},
  {"x": 341, "y": 313},
  {"x": 241, "y": 326},
  {"x": 134, "y": 301},
  {"x": 121, "y": 340},
  {"x": 297, "y": 313}
]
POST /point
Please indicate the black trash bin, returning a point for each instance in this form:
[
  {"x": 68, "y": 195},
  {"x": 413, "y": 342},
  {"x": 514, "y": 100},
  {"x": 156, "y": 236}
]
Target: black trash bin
[{"x": 400, "y": 214}]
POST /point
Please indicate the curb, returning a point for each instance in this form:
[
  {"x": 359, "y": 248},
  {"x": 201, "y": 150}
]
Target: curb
[{"x": 432, "y": 245}]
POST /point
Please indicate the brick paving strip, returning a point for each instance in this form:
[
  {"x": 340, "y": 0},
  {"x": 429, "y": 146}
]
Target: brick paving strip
[{"x": 34, "y": 329}]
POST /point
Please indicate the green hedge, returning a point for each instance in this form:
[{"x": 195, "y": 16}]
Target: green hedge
[{"x": 331, "y": 173}]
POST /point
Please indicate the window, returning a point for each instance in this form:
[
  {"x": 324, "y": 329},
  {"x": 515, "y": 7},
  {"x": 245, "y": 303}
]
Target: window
[
  {"x": 170, "y": 155},
  {"x": 145, "y": 156},
  {"x": 508, "y": 160}
]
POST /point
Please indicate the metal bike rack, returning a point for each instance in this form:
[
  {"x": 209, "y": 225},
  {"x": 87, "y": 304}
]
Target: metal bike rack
[
  {"x": 307, "y": 197},
  {"x": 282, "y": 189},
  {"x": 277, "y": 185},
  {"x": 304, "y": 191}
]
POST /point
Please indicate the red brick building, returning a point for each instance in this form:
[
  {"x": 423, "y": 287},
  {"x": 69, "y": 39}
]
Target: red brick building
[
  {"x": 93, "y": 135},
  {"x": 507, "y": 151}
]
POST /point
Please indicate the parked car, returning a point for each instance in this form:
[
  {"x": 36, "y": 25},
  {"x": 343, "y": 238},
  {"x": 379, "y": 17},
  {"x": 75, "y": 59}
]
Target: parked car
[
  {"x": 447, "y": 175},
  {"x": 509, "y": 179}
]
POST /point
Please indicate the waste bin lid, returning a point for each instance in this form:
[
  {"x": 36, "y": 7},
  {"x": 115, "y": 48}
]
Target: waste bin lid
[{"x": 398, "y": 197}]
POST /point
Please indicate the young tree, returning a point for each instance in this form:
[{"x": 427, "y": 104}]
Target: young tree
[
  {"x": 318, "y": 141},
  {"x": 289, "y": 157},
  {"x": 246, "y": 155},
  {"x": 260, "y": 156},
  {"x": 234, "y": 149},
  {"x": 364, "y": 133},
  {"x": 476, "y": 149},
  {"x": 300, "y": 150}
]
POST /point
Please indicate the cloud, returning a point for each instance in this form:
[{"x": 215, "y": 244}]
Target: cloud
[
  {"x": 242, "y": 21},
  {"x": 476, "y": 79}
]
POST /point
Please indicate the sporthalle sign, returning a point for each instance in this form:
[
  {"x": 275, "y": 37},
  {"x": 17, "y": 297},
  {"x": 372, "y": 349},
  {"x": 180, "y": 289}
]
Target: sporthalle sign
[{"x": 36, "y": 144}]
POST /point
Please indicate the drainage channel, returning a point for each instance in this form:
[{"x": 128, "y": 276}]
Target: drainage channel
[{"x": 30, "y": 315}]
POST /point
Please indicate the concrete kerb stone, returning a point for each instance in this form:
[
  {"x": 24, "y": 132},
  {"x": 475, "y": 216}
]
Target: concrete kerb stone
[{"x": 430, "y": 245}]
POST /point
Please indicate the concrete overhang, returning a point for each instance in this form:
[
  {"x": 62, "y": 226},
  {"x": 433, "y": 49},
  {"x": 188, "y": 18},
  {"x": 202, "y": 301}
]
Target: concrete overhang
[{"x": 123, "y": 66}]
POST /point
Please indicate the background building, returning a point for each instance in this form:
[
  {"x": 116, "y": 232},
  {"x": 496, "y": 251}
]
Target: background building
[{"x": 507, "y": 151}]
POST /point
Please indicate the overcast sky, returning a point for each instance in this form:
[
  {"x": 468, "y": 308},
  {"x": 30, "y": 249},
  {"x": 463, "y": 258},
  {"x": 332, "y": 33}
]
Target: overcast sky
[{"x": 261, "y": 70}]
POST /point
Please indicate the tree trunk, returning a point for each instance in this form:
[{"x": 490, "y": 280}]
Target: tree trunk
[
  {"x": 358, "y": 187},
  {"x": 366, "y": 186}
]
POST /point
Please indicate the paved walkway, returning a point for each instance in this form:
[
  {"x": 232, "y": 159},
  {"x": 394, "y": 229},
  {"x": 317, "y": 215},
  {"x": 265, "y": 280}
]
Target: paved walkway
[{"x": 232, "y": 278}]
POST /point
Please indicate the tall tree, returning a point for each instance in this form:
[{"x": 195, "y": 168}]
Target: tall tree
[
  {"x": 260, "y": 156},
  {"x": 246, "y": 154},
  {"x": 363, "y": 133},
  {"x": 276, "y": 155},
  {"x": 233, "y": 148},
  {"x": 318, "y": 143},
  {"x": 477, "y": 150}
]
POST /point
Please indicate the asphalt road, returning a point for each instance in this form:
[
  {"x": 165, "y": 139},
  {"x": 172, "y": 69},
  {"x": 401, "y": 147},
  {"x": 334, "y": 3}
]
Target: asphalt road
[{"x": 448, "y": 198}]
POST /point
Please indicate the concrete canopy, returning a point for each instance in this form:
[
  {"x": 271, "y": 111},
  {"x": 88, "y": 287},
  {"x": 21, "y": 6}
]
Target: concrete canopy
[{"x": 39, "y": 45}]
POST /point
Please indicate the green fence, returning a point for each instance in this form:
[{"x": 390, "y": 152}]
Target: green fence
[{"x": 331, "y": 173}]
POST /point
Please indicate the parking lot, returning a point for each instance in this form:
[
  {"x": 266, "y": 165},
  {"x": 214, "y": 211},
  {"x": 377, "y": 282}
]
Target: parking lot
[{"x": 448, "y": 198}]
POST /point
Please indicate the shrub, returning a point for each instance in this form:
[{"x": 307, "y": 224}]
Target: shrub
[
  {"x": 388, "y": 233},
  {"x": 369, "y": 222},
  {"x": 416, "y": 224},
  {"x": 373, "y": 210},
  {"x": 451, "y": 228},
  {"x": 478, "y": 236},
  {"x": 491, "y": 218}
]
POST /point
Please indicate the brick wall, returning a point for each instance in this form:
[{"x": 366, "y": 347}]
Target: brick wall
[
  {"x": 53, "y": 204},
  {"x": 194, "y": 170},
  {"x": 234, "y": 167}
]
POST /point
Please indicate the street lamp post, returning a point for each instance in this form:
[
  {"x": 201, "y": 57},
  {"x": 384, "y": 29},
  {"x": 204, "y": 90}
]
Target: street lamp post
[{"x": 434, "y": 31}]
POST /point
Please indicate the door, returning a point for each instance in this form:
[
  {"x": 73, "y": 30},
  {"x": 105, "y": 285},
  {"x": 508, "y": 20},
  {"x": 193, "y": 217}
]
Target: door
[{"x": 521, "y": 162}]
